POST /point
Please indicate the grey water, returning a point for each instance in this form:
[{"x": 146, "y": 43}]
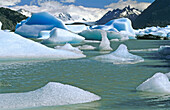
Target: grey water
[{"x": 115, "y": 83}]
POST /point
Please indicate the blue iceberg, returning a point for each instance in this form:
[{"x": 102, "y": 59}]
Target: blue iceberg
[
  {"x": 31, "y": 27},
  {"x": 122, "y": 25}
]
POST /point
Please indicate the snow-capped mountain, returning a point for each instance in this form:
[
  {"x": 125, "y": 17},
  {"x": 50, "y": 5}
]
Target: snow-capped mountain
[
  {"x": 25, "y": 12},
  {"x": 127, "y": 12}
]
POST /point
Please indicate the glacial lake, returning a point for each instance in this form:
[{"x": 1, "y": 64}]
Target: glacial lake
[{"x": 115, "y": 83}]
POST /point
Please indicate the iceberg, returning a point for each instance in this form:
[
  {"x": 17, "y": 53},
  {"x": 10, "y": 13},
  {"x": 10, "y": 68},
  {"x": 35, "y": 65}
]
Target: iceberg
[
  {"x": 51, "y": 94},
  {"x": 120, "y": 56},
  {"x": 105, "y": 43},
  {"x": 95, "y": 34},
  {"x": 69, "y": 47},
  {"x": 61, "y": 36},
  {"x": 31, "y": 27},
  {"x": 158, "y": 83},
  {"x": 123, "y": 25},
  {"x": 13, "y": 46}
]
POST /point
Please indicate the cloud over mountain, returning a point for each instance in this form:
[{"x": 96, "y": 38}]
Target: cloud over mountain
[{"x": 121, "y": 4}]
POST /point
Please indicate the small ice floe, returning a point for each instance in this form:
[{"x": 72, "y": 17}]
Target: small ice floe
[
  {"x": 158, "y": 83},
  {"x": 120, "y": 56},
  {"x": 165, "y": 51},
  {"x": 61, "y": 36},
  {"x": 51, "y": 94},
  {"x": 105, "y": 43},
  {"x": 86, "y": 47},
  {"x": 69, "y": 47},
  {"x": 144, "y": 50}
]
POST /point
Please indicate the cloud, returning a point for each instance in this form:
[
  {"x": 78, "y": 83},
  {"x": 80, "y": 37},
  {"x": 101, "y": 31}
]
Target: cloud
[
  {"x": 9, "y": 2},
  {"x": 121, "y": 4},
  {"x": 67, "y": 1}
]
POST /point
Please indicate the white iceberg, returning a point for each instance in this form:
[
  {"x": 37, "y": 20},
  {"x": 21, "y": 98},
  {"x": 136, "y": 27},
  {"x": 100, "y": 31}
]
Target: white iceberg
[
  {"x": 77, "y": 28},
  {"x": 86, "y": 47},
  {"x": 61, "y": 36},
  {"x": 118, "y": 25},
  {"x": 120, "y": 56},
  {"x": 95, "y": 34},
  {"x": 158, "y": 83},
  {"x": 51, "y": 94},
  {"x": 38, "y": 22},
  {"x": 105, "y": 43},
  {"x": 69, "y": 47},
  {"x": 13, "y": 46}
]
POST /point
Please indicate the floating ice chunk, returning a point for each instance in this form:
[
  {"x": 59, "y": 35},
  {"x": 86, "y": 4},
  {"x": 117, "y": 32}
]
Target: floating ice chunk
[
  {"x": 96, "y": 34},
  {"x": 77, "y": 28},
  {"x": 120, "y": 56},
  {"x": 51, "y": 94},
  {"x": 60, "y": 36},
  {"x": 13, "y": 46},
  {"x": 86, "y": 47},
  {"x": 158, "y": 83},
  {"x": 38, "y": 22},
  {"x": 105, "y": 43},
  {"x": 69, "y": 47},
  {"x": 164, "y": 50}
]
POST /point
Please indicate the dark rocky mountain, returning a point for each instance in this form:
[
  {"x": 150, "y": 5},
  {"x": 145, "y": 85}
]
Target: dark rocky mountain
[
  {"x": 10, "y": 18},
  {"x": 127, "y": 12},
  {"x": 157, "y": 14}
]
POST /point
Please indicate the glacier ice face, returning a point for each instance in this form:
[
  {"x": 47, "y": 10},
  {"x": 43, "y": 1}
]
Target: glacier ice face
[
  {"x": 118, "y": 25},
  {"x": 77, "y": 28},
  {"x": 95, "y": 34},
  {"x": 155, "y": 31},
  {"x": 38, "y": 22},
  {"x": 61, "y": 36},
  {"x": 13, "y": 46},
  {"x": 105, "y": 43},
  {"x": 69, "y": 47},
  {"x": 51, "y": 94},
  {"x": 120, "y": 56},
  {"x": 158, "y": 83}
]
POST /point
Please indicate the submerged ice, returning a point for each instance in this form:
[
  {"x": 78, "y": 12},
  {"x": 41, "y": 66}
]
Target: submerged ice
[
  {"x": 13, "y": 46},
  {"x": 120, "y": 56},
  {"x": 158, "y": 83},
  {"x": 51, "y": 94}
]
